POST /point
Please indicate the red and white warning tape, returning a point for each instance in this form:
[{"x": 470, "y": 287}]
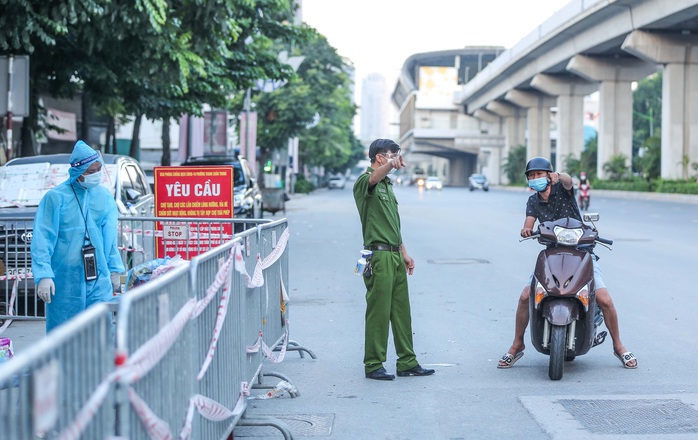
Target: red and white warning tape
[
  {"x": 12, "y": 202},
  {"x": 131, "y": 369},
  {"x": 11, "y": 307},
  {"x": 16, "y": 277}
]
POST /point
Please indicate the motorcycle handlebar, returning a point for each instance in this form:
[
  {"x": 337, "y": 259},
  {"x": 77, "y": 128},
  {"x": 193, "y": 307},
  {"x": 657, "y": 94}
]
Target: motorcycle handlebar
[{"x": 604, "y": 241}]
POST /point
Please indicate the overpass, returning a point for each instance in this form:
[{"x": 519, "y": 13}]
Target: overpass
[
  {"x": 592, "y": 45},
  {"x": 434, "y": 135}
]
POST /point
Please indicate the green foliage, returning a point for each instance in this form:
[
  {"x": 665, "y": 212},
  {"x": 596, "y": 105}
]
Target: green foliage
[
  {"x": 587, "y": 161},
  {"x": 515, "y": 165},
  {"x": 616, "y": 168},
  {"x": 651, "y": 159},
  {"x": 647, "y": 110},
  {"x": 303, "y": 185},
  {"x": 159, "y": 59},
  {"x": 320, "y": 87},
  {"x": 677, "y": 186},
  {"x": 647, "y": 185},
  {"x": 635, "y": 184}
]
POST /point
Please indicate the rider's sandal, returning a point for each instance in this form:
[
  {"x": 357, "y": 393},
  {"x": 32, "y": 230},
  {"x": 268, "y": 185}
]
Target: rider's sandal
[
  {"x": 626, "y": 358},
  {"x": 508, "y": 361}
]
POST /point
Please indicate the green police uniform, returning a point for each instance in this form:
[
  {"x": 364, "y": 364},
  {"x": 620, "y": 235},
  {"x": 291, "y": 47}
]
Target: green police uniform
[{"x": 387, "y": 297}]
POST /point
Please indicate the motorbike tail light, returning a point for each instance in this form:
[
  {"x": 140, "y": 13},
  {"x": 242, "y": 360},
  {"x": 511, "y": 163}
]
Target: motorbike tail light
[
  {"x": 540, "y": 294},
  {"x": 583, "y": 296}
]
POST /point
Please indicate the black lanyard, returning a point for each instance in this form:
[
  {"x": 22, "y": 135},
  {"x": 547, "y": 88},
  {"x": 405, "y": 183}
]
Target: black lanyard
[{"x": 84, "y": 217}]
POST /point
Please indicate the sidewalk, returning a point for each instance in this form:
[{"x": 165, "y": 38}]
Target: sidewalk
[{"x": 24, "y": 334}]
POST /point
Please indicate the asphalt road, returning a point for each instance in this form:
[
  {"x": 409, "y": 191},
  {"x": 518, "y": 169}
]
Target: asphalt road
[{"x": 470, "y": 268}]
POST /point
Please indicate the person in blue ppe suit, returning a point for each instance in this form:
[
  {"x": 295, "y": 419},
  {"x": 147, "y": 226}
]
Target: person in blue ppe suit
[{"x": 77, "y": 213}]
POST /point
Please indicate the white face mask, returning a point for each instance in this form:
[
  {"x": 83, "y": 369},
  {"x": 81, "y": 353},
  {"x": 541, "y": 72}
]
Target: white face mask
[{"x": 91, "y": 180}]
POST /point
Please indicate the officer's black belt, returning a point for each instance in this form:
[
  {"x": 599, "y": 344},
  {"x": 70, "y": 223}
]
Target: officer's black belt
[{"x": 383, "y": 247}]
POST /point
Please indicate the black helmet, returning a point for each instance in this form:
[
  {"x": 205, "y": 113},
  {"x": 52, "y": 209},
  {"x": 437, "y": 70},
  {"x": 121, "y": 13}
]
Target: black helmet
[{"x": 538, "y": 164}]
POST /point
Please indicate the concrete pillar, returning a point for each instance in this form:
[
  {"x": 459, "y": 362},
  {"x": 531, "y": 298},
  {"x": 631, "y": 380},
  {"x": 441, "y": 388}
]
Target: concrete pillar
[
  {"x": 615, "y": 101},
  {"x": 679, "y": 55},
  {"x": 492, "y": 156},
  {"x": 570, "y": 92},
  {"x": 537, "y": 107},
  {"x": 514, "y": 124},
  {"x": 459, "y": 168}
]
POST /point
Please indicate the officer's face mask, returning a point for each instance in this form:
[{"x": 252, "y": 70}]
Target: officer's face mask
[
  {"x": 538, "y": 184},
  {"x": 91, "y": 180}
]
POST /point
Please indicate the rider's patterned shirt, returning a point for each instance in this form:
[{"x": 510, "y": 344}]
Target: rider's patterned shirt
[{"x": 560, "y": 204}]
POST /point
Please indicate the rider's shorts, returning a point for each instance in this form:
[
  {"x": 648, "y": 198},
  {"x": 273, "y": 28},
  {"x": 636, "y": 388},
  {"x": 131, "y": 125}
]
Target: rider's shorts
[{"x": 598, "y": 276}]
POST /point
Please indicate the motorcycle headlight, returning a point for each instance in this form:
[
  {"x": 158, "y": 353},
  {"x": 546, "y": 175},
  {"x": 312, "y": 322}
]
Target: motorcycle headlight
[{"x": 568, "y": 236}]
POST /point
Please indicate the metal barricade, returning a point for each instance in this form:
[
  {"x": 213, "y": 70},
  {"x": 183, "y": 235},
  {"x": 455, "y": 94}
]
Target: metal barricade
[
  {"x": 17, "y": 294},
  {"x": 155, "y": 347},
  {"x": 274, "y": 311},
  {"x": 43, "y": 390},
  {"x": 224, "y": 323},
  {"x": 189, "y": 345},
  {"x": 142, "y": 239}
]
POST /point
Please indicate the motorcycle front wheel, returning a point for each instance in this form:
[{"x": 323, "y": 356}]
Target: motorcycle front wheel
[{"x": 558, "y": 346}]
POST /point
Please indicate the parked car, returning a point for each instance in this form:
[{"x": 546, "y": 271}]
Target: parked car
[
  {"x": 247, "y": 197},
  {"x": 336, "y": 182},
  {"x": 24, "y": 181},
  {"x": 478, "y": 181},
  {"x": 433, "y": 182}
]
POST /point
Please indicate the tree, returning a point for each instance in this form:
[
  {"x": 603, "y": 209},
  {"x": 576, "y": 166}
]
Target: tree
[
  {"x": 587, "y": 160},
  {"x": 320, "y": 87},
  {"x": 647, "y": 115},
  {"x": 651, "y": 159},
  {"x": 515, "y": 165},
  {"x": 158, "y": 60}
]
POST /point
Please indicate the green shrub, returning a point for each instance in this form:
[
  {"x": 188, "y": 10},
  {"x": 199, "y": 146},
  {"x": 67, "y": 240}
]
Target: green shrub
[
  {"x": 636, "y": 184},
  {"x": 677, "y": 186},
  {"x": 303, "y": 185},
  {"x": 655, "y": 185}
]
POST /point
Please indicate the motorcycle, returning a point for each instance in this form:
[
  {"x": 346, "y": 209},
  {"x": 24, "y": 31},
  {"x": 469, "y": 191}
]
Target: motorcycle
[
  {"x": 584, "y": 196},
  {"x": 564, "y": 316}
]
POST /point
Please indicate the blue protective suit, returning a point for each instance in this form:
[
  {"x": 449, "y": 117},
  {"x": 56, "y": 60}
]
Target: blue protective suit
[{"x": 59, "y": 235}]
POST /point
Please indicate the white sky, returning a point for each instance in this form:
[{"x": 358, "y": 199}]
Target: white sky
[{"x": 379, "y": 35}]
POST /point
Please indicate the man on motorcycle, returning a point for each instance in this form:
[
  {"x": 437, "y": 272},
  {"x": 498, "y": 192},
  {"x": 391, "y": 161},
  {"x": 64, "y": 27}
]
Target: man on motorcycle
[{"x": 554, "y": 199}]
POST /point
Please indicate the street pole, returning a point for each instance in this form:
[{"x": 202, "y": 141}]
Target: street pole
[
  {"x": 10, "y": 68},
  {"x": 247, "y": 108}
]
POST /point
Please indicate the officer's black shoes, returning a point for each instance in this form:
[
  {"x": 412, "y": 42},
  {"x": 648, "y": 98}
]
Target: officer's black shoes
[
  {"x": 380, "y": 374},
  {"x": 416, "y": 371}
]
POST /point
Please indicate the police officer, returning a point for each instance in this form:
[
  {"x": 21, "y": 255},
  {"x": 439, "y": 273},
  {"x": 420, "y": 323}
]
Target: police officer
[{"x": 387, "y": 297}]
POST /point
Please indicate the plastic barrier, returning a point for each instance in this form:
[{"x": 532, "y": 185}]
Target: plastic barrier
[{"x": 189, "y": 346}]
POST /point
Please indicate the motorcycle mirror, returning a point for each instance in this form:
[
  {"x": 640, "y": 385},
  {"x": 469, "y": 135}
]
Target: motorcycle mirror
[{"x": 591, "y": 217}]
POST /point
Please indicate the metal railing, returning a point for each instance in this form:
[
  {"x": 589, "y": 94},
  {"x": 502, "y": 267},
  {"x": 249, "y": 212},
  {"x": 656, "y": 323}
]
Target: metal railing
[{"x": 188, "y": 347}]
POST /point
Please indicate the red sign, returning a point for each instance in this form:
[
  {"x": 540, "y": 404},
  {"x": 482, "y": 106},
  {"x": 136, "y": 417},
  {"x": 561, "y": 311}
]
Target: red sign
[{"x": 193, "y": 192}]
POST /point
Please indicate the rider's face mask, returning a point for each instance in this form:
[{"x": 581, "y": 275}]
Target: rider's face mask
[
  {"x": 538, "y": 184},
  {"x": 91, "y": 180}
]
